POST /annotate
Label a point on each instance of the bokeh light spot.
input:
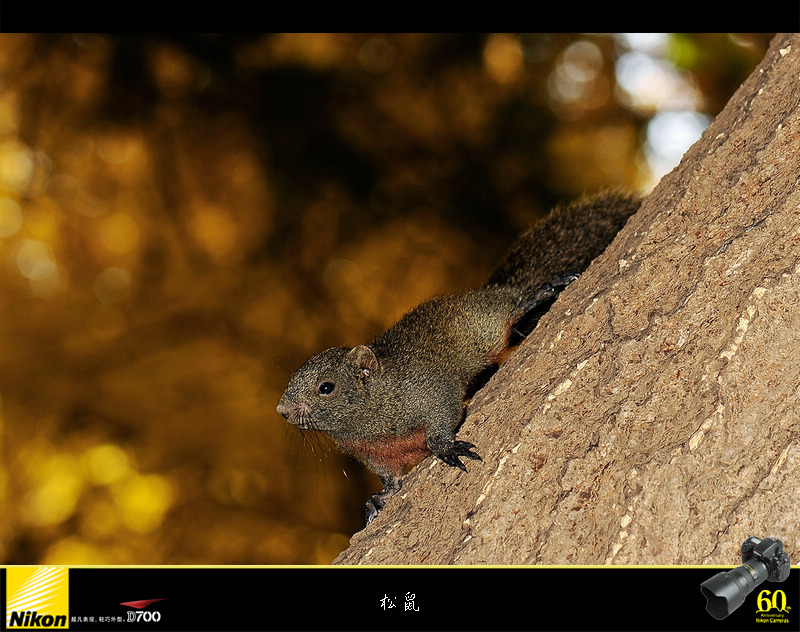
(377, 55)
(100, 518)
(117, 147)
(669, 136)
(119, 233)
(35, 260)
(10, 217)
(503, 58)
(73, 551)
(215, 231)
(650, 84)
(16, 165)
(342, 275)
(106, 464)
(577, 83)
(112, 286)
(55, 498)
(144, 500)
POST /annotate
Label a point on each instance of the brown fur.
(400, 398)
(390, 453)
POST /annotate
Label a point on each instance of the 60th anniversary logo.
(772, 607)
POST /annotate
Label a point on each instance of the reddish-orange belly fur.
(391, 453)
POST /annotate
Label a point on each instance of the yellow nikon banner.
(37, 597)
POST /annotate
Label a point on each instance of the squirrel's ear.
(366, 361)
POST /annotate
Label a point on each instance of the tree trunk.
(653, 416)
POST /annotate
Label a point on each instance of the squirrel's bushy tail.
(567, 240)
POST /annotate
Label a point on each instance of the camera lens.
(726, 591)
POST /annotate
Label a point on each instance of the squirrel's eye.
(326, 388)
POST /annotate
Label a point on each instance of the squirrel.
(400, 398)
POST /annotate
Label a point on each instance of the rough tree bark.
(653, 417)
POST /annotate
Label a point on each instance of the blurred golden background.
(184, 219)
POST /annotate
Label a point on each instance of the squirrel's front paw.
(371, 510)
(391, 485)
(460, 448)
(560, 281)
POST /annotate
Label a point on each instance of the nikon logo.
(37, 597)
(35, 620)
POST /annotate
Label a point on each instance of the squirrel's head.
(325, 392)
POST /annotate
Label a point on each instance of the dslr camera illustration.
(761, 559)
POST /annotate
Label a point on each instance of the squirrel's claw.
(391, 485)
(460, 448)
(371, 509)
(562, 280)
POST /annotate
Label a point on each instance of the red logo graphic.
(140, 604)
